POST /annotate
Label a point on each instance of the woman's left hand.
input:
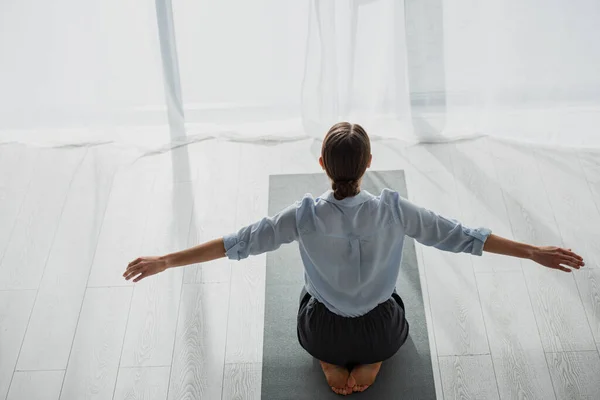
(144, 267)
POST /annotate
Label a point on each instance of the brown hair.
(346, 153)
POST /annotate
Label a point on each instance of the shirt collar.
(362, 197)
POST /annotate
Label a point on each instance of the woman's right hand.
(557, 258)
(144, 267)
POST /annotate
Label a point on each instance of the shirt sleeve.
(431, 229)
(266, 235)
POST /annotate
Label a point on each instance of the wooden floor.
(72, 218)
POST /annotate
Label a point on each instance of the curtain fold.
(356, 68)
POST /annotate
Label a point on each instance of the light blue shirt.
(352, 248)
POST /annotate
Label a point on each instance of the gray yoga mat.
(291, 373)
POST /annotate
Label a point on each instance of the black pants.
(347, 341)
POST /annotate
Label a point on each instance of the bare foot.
(336, 378)
(363, 376)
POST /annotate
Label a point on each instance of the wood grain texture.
(27, 250)
(247, 302)
(557, 305)
(20, 161)
(575, 374)
(36, 385)
(94, 361)
(435, 361)
(590, 162)
(198, 360)
(570, 196)
(588, 282)
(517, 352)
(455, 306)
(15, 308)
(56, 311)
(468, 377)
(153, 316)
(480, 199)
(246, 312)
(148, 383)
(150, 334)
(124, 223)
(215, 198)
(242, 381)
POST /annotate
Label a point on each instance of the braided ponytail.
(343, 189)
(346, 154)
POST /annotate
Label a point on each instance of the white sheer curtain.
(76, 71)
(269, 68)
(523, 69)
(151, 72)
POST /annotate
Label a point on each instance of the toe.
(339, 390)
(351, 381)
(358, 388)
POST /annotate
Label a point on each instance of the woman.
(350, 317)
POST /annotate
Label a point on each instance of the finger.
(136, 272)
(134, 262)
(574, 257)
(562, 268)
(571, 264)
(570, 253)
(139, 278)
(131, 270)
(573, 260)
(128, 277)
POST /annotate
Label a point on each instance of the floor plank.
(124, 223)
(153, 317)
(215, 198)
(36, 385)
(575, 374)
(588, 282)
(574, 208)
(54, 319)
(435, 361)
(247, 303)
(198, 361)
(480, 199)
(557, 305)
(455, 307)
(20, 161)
(94, 360)
(517, 352)
(152, 323)
(148, 383)
(590, 163)
(468, 377)
(15, 308)
(242, 381)
(246, 312)
(27, 250)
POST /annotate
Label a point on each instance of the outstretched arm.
(268, 234)
(551, 257)
(445, 234)
(143, 267)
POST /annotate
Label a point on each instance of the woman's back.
(351, 250)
